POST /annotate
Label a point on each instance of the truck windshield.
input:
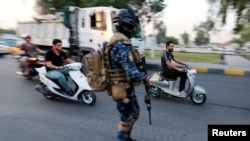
(137, 32)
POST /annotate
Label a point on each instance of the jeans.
(60, 75)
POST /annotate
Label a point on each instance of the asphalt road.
(27, 116)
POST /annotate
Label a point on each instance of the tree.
(202, 33)
(7, 31)
(144, 8)
(185, 37)
(42, 7)
(161, 32)
(49, 6)
(147, 9)
(245, 33)
(201, 38)
(240, 7)
(171, 38)
(237, 41)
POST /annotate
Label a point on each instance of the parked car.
(4, 48)
(10, 40)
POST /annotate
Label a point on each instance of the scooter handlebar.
(188, 67)
(73, 66)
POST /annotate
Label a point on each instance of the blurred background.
(197, 26)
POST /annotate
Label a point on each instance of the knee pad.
(125, 126)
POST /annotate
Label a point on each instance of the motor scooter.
(34, 62)
(52, 89)
(160, 86)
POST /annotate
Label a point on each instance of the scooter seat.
(168, 79)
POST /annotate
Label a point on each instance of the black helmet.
(126, 18)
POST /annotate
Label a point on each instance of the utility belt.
(119, 82)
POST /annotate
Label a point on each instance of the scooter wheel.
(88, 97)
(198, 98)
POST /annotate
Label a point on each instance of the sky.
(179, 16)
(12, 11)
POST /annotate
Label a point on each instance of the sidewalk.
(232, 65)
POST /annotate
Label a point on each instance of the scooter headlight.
(193, 71)
(33, 59)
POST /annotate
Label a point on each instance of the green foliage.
(241, 8)
(198, 57)
(245, 33)
(161, 32)
(201, 38)
(185, 37)
(145, 9)
(171, 38)
(42, 7)
(7, 31)
(188, 56)
(202, 33)
(244, 36)
(237, 41)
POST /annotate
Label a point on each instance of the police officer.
(120, 57)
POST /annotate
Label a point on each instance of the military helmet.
(126, 18)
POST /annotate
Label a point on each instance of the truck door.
(92, 29)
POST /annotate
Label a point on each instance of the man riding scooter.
(30, 50)
(169, 70)
(55, 58)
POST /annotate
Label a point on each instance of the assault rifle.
(147, 96)
(148, 103)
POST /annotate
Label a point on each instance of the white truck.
(81, 30)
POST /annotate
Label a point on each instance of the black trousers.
(173, 74)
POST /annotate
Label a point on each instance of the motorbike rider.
(30, 50)
(169, 70)
(54, 60)
(125, 22)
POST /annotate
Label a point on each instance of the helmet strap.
(124, 30)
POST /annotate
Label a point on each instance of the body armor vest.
(117, 75)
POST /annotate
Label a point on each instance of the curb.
(235, 72)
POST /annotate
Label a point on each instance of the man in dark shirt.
(171, 71)
(55, 58)
(30, 50)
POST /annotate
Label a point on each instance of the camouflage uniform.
(129, 112)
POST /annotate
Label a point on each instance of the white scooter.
(161, 86)
(52, 89)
